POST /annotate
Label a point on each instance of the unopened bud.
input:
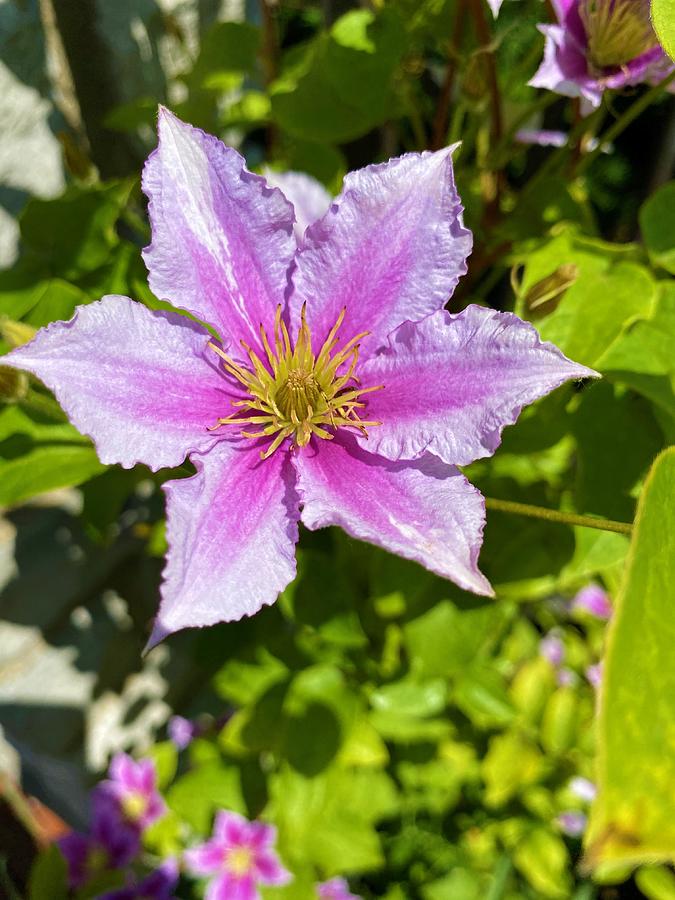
(16, 333)
(13, 384)
(545, 295)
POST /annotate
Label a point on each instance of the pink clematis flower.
(336, 889)
(309, 197)
(340, 391)
(133, 786)
(239, 857)
(599, 44)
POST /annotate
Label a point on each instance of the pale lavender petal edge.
(141, 384)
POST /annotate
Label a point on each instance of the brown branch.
(441, 118)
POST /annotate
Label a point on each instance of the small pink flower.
(134, 786)
(552, 648)
(181, 731)
(594, 675)
(572, 823)
(583, 788)
(336, 889)
(594, 600)
(240, 856)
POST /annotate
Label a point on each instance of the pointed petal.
(268, 869)
(139, 383)
(392, 247)
(222, 240)
(231, 828)
(422, 510)
(309, 197)
(205, 859)
(231, 530)
(452, 383)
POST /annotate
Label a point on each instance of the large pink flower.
(340, 391)
(599, 44)
(239, 857)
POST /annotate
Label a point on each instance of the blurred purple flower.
(566, 677)
(594, 675)
(133, 785)
(572, 823)
(336, 889)
(239, 857)
(552, 648)
(111, 844)
(594, 600)
(495, 6)
(283, 419)
(599, 44)
(158, 885)
(583, 788)
(542, 137)
(181, 731)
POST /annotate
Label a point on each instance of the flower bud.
(545, 295)
(13, 384)
(16, 333)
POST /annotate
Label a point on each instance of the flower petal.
(309, 197)
(138, 382)
(232, 887)
(452, 382)
(205, 859)
(423, 510)
(231, 828)
(392, 247)
(268, 869)
(231, 531)
(222, 240)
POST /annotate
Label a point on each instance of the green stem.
(625, 120)
(554, 515)
(542, 102)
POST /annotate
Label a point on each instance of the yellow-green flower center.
(295, 393)
(617, 30)
(134, 806)
(239, 860)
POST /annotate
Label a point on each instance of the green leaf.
(228, 47)
(663, 17)
(340, 85)
(511, 764)
(38, 456)
(73, 233)
(656, 882)
(197, 795)
(595, 309)
(657, 223)
(643, 356)
(48, 877)
(57, 301)
(632, 819)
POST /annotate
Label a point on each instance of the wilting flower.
(335, 889)
(158, 885)
(239, 857)
(599, 44)
(552, 648)
(111, 843)
(133, 786)
(594, 600)
(572, 823)
(340, 391)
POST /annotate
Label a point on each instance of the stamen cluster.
(295, 393)
(618, 31)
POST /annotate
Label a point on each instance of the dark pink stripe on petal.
(453, 382)
(231, 531)
(391, 247)
(141, 384)
(222, 239)
(424, 510)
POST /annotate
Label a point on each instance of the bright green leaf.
(657, 223)
(632, 819)
(663, 17)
